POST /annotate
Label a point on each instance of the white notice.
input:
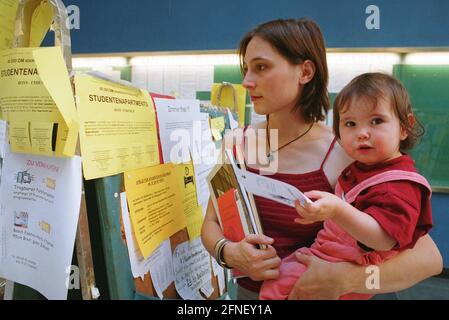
(3, 139)
(176, 119)
(191, 263)
(159, 263)
(40, 202)
(161, 268)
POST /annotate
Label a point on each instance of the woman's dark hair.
(375, 86)
(298, 41)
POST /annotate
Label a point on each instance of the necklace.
(270, 156)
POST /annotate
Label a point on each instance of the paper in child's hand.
(270, 188)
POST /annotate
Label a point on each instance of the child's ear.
(411, 122)
(307, 72)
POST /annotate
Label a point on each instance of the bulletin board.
(428, 89)
(109, 246)
(120, 282)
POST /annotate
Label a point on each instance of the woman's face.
(272, 81)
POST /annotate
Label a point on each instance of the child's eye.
(349, 124)
(376, 121)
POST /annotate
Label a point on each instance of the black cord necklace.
(270, 156)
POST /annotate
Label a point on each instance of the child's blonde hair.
(375, 86)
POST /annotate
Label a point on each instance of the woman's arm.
(244, 255)
(326, 280)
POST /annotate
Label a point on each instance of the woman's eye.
(261, 67)
(376, 121)
(349, 124)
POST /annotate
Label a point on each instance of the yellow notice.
(155, 205)
(41, 137)
(40, 23)
(217, 126)
(227, 99)
(54, 75)
(19, 133)
(192, 210)
(38, 92)
(8, 12)
(118, 127)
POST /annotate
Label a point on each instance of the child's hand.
(325, 206)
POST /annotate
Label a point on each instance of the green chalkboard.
(428, 86)
(332, 97)
(229, 73)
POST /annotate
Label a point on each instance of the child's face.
(371, 134)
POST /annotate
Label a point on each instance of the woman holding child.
(285, 68)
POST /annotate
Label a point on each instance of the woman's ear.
(307, 72)
(411, 122)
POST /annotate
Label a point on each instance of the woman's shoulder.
(337, 159)
(322, 131)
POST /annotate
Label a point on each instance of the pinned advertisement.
(40, 201)
(159, 263)
(36, 98)
(118, 130)
(155, 205)
(192, 210)
(177, 119)
(191, 263)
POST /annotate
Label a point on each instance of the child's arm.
(358, 224)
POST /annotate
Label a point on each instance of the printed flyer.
(118, 128)
(36, 99)
(155, 205)
(40, 202)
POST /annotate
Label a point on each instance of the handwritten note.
(192, 269)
